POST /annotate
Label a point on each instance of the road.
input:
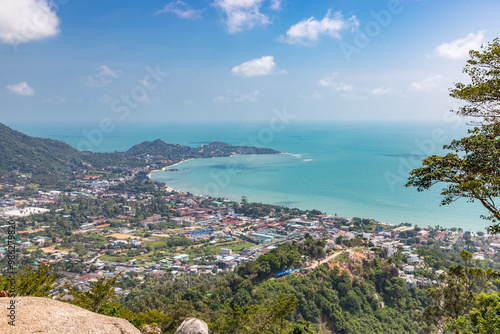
(328, 259)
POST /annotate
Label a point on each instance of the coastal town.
(109, 225)
(250, 167)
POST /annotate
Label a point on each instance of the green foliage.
(35, 155)
(38, 282)
(302, 327)
(149, 317)
(437, 258)
(472, 170)
(100, 292)
(256, 210)
(180, 152)
(344, 304)
(455, 294)
(283, 257)
(267, 317)
(483, 318)
(483, 94)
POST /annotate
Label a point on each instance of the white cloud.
(309, 30)
(426, 85)
(255, 67)
(379, 91)
(181, 9)
(106, 99)
(62, 99)
(349, 91)
(103, 78)
(244, 14)
(22, 21)
(337, 86)
(222, 99)
(315, 96)
(248, 97)
(275, 4)
(237, 97)
(21, 88)
(460, 48)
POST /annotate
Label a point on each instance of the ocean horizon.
(344, 168)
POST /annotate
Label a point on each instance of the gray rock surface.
(44, 315)
(192, 326)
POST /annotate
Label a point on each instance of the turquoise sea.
(348, 169)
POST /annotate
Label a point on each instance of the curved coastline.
(182, 161)
(169, 188)
(165, 168)
(231, 156)
(295, 158)
(379, 207)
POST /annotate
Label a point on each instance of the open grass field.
(52, 249)
(122, 236)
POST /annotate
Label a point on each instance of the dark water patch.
(286, 203)
(166, 179)
(406, 156)
(231, 166)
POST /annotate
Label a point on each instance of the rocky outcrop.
(44, 315)
(192, 326)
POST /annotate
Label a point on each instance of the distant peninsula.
(53, 161)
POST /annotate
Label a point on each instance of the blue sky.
(236, 60)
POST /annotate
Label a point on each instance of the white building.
(28, 211)
(181, 257)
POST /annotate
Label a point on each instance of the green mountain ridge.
(48, 157)
(19, 151)
(214, 149)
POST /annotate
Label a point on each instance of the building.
(391, 249)
(181, 257)
(151, 220)
(226, 251)
(184, 221)
(28, 211)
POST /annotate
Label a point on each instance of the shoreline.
(378, 213)
(178, 163)
(169, 166)
(168, 188)
(163, 169)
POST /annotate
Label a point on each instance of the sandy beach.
(164, 168)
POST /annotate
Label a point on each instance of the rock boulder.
(44, 315)
(192, 326)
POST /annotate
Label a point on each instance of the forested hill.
(47, 157)
(35, 155)
(215, 149)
